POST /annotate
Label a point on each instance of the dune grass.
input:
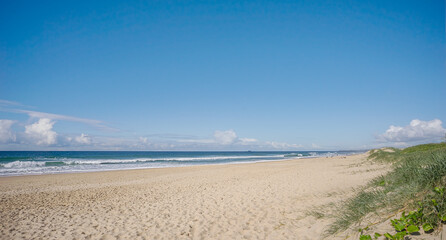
(414, 172)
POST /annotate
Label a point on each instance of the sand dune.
(268, 200)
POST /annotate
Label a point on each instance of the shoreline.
(192, 165)
(257, 200)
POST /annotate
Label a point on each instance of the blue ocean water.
(49, 162)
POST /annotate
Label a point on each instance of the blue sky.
(234, 75)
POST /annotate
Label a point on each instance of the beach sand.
(267, 200)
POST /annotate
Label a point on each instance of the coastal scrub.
(416, 175)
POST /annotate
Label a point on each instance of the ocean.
(13, 163)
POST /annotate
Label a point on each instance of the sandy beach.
(268, 200)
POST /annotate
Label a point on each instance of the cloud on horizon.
(416, 131)
(6, 133)
(83, 139)
(41, 132)
(41, 135)
(225, 137)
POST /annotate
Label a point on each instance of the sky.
(221, 75)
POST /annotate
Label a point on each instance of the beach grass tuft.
(414, 172)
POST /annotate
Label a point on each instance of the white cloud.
(9, 103)
(247, 141)
(41, 131)
(283, 145)
(199, 141)
(41, 134)
(225, 137)
(6, 134)
(417, 130)
(91, 122)
(230, 139)
(143, 140)
(10, 106)
(83, 139)
(314, 145)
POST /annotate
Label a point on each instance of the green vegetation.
(416, 180)
(424, 147)
(429, 213)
